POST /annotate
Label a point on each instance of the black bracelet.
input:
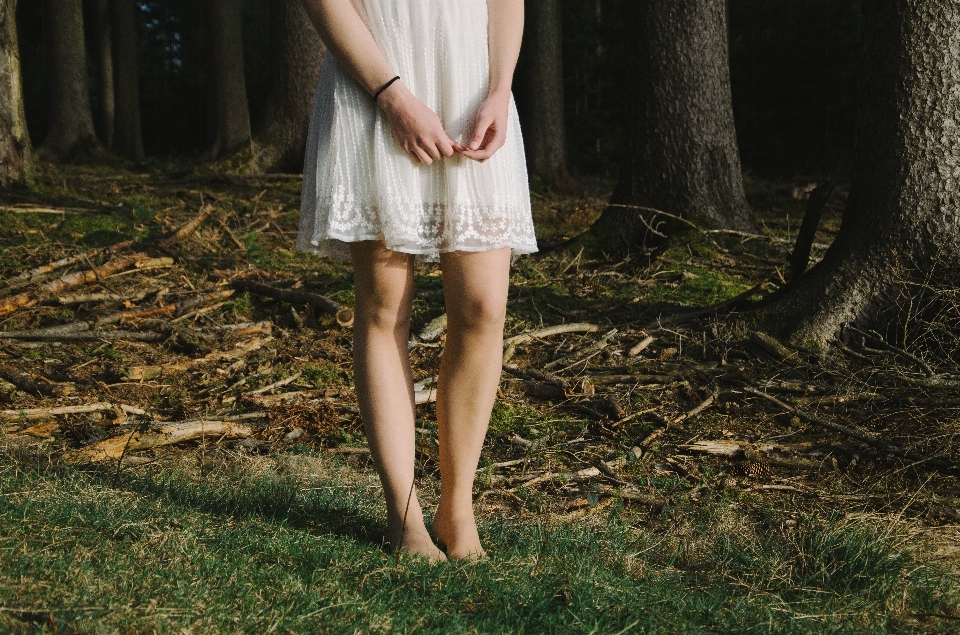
(384, 87)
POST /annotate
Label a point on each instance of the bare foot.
(459, 535)
(419, 544)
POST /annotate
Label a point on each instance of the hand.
(490, 131)
(416, 128)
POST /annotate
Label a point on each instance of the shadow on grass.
(333, 510)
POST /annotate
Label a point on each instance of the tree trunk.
(296, 53)
(71, 118)
(542, 92)
(902, 223)
(228, 86)
(128, 136)
(103, 67)
(682, 156)
(14, 140)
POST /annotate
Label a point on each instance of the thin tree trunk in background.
(128, 136)
(296, 53)
(231, 113)
(71, 119)
(103, 67)
(901, 227)
(682, 155)
(542, 117)
(14, 140)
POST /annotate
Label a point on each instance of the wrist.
(501, 91)
(393, 96)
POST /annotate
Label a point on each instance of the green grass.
(294, 545)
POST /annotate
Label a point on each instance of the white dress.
(359, 184)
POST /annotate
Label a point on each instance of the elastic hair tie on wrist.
(384, 87)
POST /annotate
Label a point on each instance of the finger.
(479, 155)
(431, 149)
(446, 147)
(422, 156)
(480, 132)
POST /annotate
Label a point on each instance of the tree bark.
(902, 223)
(228, 86)
(103, 67)
(296, 53)
(128, 135)
(71, 117)
(682, 154)
(14, 140)
(542, 117)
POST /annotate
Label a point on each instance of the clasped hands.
(419, 131)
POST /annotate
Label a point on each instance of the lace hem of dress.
(424, 230)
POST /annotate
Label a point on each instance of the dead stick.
(872, 441)
(344, 316)
(233, 237)
(34, 414)
(25, 382)
(703, 406)
(583, 354)
(186, 229)
(200, 300)
(167, 435)
(82, 336)
(9, 305)
(29, 277)
(277, 384)
(84, 277)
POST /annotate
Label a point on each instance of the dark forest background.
(794, 72)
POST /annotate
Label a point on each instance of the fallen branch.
(9, 305)
(700, 408)
(772, 348)
(277, 384)
(87, 276)
(510, 344)
(26, 383)
(29, 277)
(559, 329)
(583, 354)
(143, 373)
(879, 342)
(343, 315)
(203, 299)
(35, 414)
(43, 335)
(585, 473)
(872, 441)
(82, 298)
(170, 434)
(187, 228)
(640, 346)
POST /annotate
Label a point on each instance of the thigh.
(475, 284)
(382, 280)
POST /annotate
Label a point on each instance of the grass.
(294, 545)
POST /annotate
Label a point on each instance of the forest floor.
(181, 453)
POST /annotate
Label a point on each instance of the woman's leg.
(475, 290)
(383, 285)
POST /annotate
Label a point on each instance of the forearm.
(504, 33)
(347, 37)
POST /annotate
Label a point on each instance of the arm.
(415, 127)
(504, 33)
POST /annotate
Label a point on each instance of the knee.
(384, 314)
(478, 313)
